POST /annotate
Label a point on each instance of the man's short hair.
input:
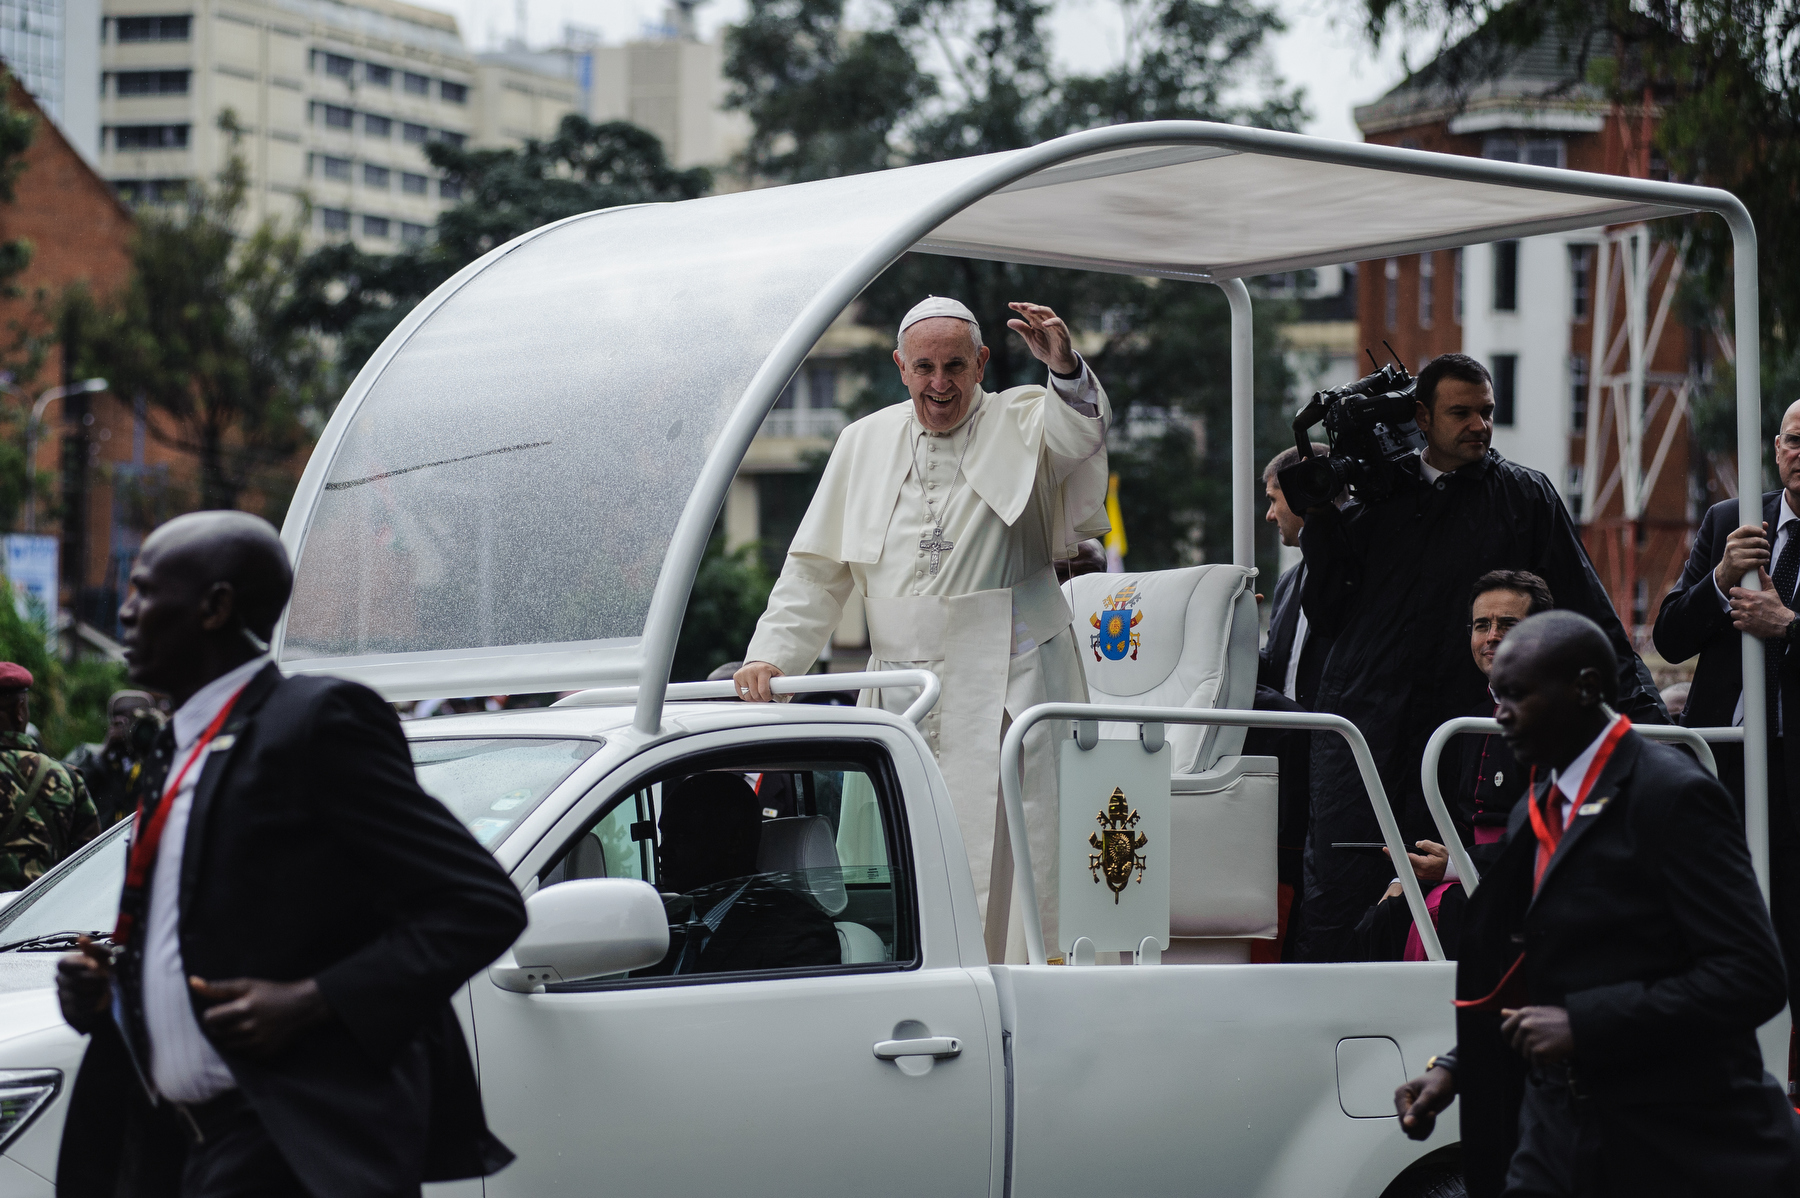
(1460, 367)
(1571, 643)
(1288, 457)
(1522, 581)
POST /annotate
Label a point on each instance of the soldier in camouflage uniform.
(45, 812)
(111, 767)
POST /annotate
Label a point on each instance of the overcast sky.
(1322, 49)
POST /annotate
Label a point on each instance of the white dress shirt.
(1293, 670)
(184, 1065)
(1577, 771)
(1783, 528)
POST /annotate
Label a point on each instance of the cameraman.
(1389, 581)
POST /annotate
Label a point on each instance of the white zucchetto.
(937, 305)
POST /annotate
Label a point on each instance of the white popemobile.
(514, 497)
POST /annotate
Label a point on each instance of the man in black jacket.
(1389, 582)
(1707, 613)
(1615, 962)
(273, 1018)
(1278, 668)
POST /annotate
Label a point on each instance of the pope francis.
(946, 514)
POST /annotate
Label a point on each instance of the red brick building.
(1567, 403)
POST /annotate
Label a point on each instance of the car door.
(763, 1079)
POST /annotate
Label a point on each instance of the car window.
(81, 895)
(492, 784)
(766, 864)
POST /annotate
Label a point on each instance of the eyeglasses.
(1501, 624)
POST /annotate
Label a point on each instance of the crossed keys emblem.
(1118, 845)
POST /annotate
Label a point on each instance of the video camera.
(1375, 441)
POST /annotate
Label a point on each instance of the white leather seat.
(1195, 633)
(805, 848)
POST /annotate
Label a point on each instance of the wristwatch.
(1435, 1061)
(1791, 634)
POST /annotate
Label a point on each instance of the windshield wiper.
(51, 942)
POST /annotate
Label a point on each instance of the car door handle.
(930, 1046)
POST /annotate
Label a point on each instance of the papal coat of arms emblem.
(1115, 626)
(1118, 845)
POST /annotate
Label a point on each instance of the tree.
(357, 298)
(202, 334)
(1161, 347)
(730, 592)
(1723, 79)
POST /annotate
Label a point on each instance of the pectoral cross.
(937, 546)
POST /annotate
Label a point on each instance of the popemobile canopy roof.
(516, 491)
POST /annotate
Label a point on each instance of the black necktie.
(1787, 572)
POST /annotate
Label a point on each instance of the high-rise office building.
(53, 48)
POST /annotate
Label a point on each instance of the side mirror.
(584, 929)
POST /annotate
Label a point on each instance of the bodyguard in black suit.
(327, 909)
(1706, 614)
(1288, 628)
(1612, 975)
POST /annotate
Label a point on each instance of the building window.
(1506, 276)
(453, 93)
(335, 168)
(1427, 285)
(153, 29)
(455, 141)
(1506, 377)
(375, 226)
(151, 191)
(378, 76)
(375, 176)
(1578, 394)
(1533, 151)
(417, 85)
(450, 189)
(150, 137)
(1391, 272)
(1575, 490)
(334, 220)
(152, 83)
(377, 126)
(413, 185)
(412, 234)
(337, 116)
(1456, 286)
(1581, 282)
(334, 64)
(414, 134)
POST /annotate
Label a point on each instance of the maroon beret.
(14, 677)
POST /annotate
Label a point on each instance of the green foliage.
(729, 596)
(68, 700)
(203, 333)
(17, 131)
(1163, 348)
(357, 298)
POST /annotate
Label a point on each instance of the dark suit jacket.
(1691, 620)
(312, 852)
(1284, 625)
(1650, 930)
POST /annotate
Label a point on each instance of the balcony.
(803, 422)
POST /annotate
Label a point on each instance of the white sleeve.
(1080, 392)
(804, 608)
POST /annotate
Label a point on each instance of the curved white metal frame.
(1694, 738)
(1025, 886)
(800, 684)
(688, 541)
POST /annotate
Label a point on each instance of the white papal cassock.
(992, 622)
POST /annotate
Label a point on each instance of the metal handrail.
(1025, 886)
(1695, 738)
(799, 684)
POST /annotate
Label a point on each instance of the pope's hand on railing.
(753, 681)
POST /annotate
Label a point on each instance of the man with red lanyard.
(272, 1016)
(1615, 962)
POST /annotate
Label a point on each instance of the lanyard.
(1547, 838)
(147, 838)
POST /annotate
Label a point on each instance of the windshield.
(489, 784)
(492, 784)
